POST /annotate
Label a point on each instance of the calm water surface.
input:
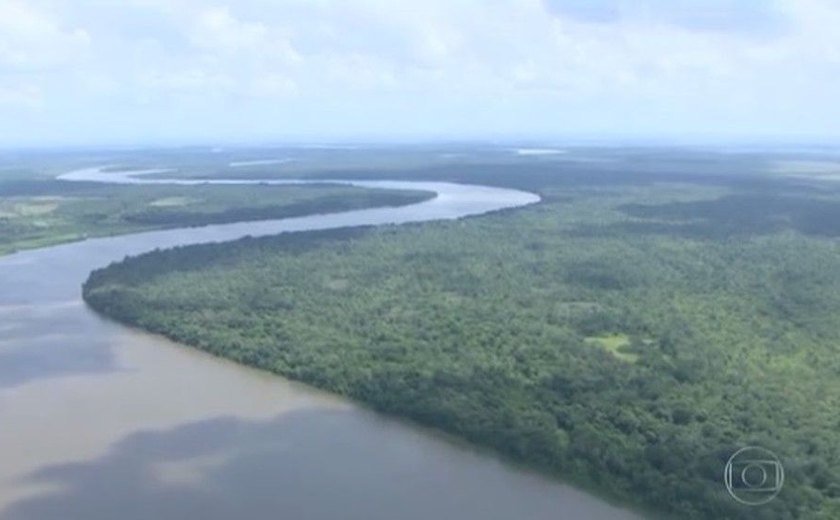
(98, 421)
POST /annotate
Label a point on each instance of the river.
(99, 421)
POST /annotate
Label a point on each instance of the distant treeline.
(327, 204)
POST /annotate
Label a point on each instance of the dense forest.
(36, 212)
(629, 333)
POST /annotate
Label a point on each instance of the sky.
(139, 72)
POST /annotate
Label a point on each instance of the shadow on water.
(230, 468)
(44, 341)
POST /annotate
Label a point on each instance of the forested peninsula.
(627, 334)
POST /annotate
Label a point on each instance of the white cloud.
(30, 40)
(17, 96)
(470, 66)
(186, 81)
(217, 30)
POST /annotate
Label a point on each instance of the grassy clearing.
(171, 202)
(615, 345)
